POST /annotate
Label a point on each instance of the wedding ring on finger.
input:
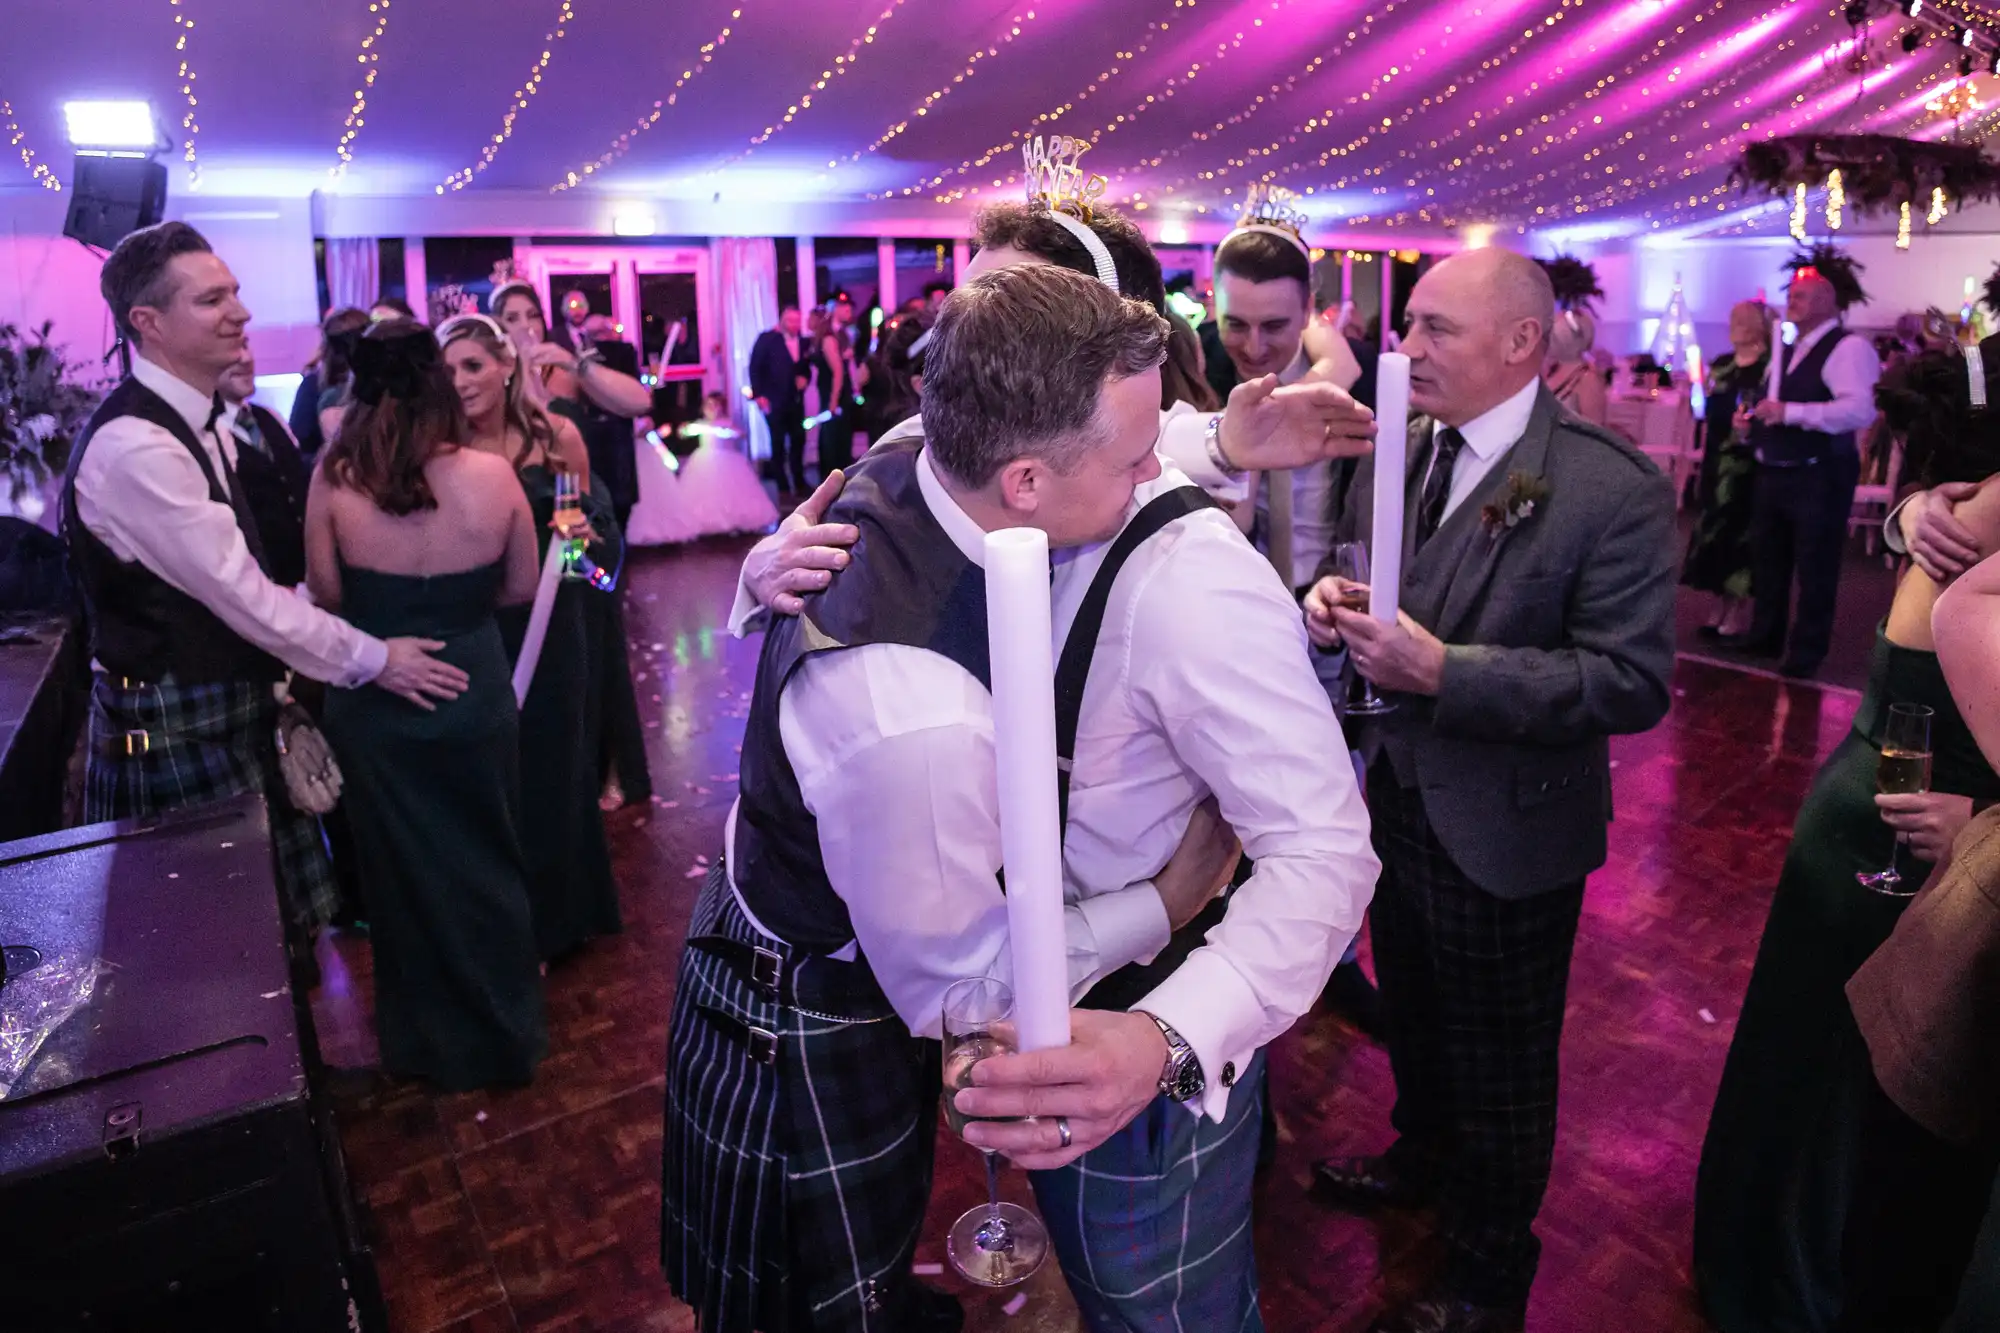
(1062, 1129)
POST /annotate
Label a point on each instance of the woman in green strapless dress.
(1772, 1188)
(433, 795)
(570, 883)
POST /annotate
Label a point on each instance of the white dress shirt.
(893, 748)
(1488, 437)
(1850, 373)
(144, 496)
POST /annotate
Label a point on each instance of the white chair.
(1666, 435)
(1872, 500)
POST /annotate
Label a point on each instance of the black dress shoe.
(1799, 670)
(1712, 633)
(1363, 1184)
(1349, 994)
(1441, 1314)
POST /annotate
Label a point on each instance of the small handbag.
(312, 776)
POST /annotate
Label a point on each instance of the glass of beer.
(1350, 562)
(1904, 769)
(995, 1244)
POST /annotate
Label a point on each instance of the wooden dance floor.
(538, 1209)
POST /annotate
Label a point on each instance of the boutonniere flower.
(1517, 504)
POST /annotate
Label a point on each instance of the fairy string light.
(190, 127)
(518, 103)
(1120, 62)
(1160, 96)
(17, 139)
(969, 67)
(623, 143)
(368, 58)
(801, 104)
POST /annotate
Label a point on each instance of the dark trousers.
(1798, 525)
(1473, 988)
(788, 445)
(836, 440)
(1916, 1211)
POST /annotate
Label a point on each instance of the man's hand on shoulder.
(1942, 546)
(801, 556)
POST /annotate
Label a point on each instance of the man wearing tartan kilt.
(1536, 621)
(867, 840)
(189, 634)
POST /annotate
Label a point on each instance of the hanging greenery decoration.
(1575, 282)
(1878, 173)
(1836, 266)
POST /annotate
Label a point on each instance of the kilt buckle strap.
(760, 1044)
(138, 742)
(125, 744)
(763, 968)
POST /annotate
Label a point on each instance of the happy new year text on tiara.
(1056, 178)
(1266, 205)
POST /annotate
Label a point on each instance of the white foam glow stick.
(1021, 644)
(538, 619)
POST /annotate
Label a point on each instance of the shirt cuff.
(1213, 1008)
(1892, 527)
(1127, 926)
(1184, 444)
(370, 660)
(747, 616)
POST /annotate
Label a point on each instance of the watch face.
(1188, 1081)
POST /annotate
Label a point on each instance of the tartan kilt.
(205, 743)
(792, 1192)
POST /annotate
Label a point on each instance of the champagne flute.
(1904, 769)
(1350, 562)
(996, 1244)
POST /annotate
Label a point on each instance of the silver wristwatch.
(1212, 438)
(1181, 1079)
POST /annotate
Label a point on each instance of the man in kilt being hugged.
(861, 875)
(189, 635)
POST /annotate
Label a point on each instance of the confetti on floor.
(1015, 1306)
(1707, 1017)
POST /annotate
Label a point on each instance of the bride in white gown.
(710, 491)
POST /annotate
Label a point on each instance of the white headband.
(1107, 272)
(1283, 235)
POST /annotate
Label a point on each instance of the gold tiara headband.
(1059, 188)
(1268, 209)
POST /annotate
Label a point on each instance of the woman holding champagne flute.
(1773, 1183)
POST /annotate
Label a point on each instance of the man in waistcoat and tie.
(1537, 621)
(862, 860)
(192, 625)
(1822, 392)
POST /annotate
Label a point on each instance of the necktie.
(238, 501)
(1437, 486)
(1279, 539)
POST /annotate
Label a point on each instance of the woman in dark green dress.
(1718, 554)
(1771, 1193)
(570, 882)
(408, 534)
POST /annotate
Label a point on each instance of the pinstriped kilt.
(792, 1192)
(205, 743)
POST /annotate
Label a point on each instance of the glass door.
(678, 332)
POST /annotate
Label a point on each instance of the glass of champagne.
(1350, 562)
(1904, 769)
(996, 1244)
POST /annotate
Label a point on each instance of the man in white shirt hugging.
(865, 851)
(188, 633)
